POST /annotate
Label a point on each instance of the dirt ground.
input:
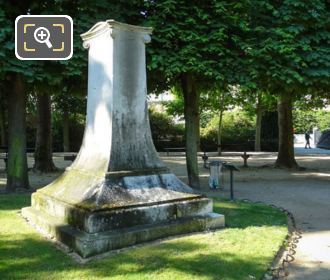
(305, 193)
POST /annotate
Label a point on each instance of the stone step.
(90, 244)
(121, 217)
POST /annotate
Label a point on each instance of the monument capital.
(112, 27)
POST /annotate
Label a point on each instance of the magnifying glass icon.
(41, 35)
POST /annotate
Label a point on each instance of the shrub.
(306, 120)
(165, 132)
(237, 128)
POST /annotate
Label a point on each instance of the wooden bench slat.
(177, 149)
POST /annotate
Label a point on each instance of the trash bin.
(216, 180)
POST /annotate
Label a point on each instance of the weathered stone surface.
(96, 220)
(117, 192)
(90, 244)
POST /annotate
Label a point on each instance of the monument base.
(118, 211)
(117, 192)
(91, 244)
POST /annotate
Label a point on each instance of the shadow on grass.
(36, 259)
(178, 259)
(24, 255)
(12, 201)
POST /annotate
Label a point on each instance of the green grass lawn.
(244, 250)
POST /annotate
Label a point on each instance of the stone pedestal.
(118, 192)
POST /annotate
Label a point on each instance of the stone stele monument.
(117, 192)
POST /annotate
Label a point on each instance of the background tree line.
(213, 54)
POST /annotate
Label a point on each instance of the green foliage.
(323, 119)
(76, 130)
(266, 45)
(244, 249)
(66, 80)
(257, 44)
(164, 131)
(312, 100)
(306, 120)
(8, 62)
(237, 127)
(175, 107)
(248, 100)
(220, 99)
(85, 14)
(198, 37)
(212, 101)
(303, 121)
(287, 44)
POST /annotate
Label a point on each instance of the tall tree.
(13, 75)
(67, 102)
(3, 138)
(256, 102)
(43, 158)
(257, 138)
(191, 113)
(17, 169)
(53, 73)
(218, 100)
(194, 42)
(227, 98)
(288, 44)
(285, 157)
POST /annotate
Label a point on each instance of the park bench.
(242, 151)
(4, 153)
(177, 149)
(244, 156)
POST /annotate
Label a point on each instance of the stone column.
(95, 150)
(118, 192)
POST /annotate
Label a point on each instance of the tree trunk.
(66, 132)
(191, 114)
(198, 135)
(43, 157)
(257, 141)
(17, 169)
(2, 127)
(220, 132)
(285, 157)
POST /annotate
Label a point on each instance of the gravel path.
(307, 196)
(309, 201)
